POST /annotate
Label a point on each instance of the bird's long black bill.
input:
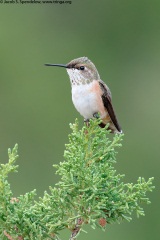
(55, 65)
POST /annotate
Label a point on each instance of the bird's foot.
(86, 121)
(96, 115)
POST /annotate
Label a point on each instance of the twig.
(7, 235)
(76, 230)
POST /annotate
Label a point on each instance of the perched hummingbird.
(90, 95)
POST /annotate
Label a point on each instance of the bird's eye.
(81, 67)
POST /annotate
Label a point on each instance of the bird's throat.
(76, 78)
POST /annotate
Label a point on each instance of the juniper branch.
(89, 192)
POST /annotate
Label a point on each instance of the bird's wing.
(106, 98)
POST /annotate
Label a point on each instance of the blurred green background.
(122, 38)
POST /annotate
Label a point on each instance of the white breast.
(85, 100)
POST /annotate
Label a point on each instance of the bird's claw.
(96, 115)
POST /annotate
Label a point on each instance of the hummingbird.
(90, 95)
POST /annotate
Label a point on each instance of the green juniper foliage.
(89, 192)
